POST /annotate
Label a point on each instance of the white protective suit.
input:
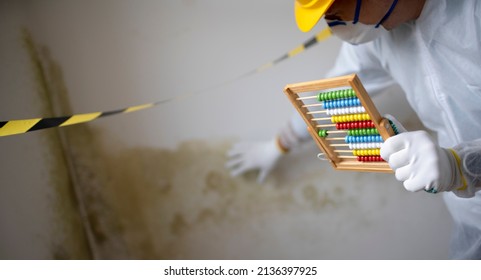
(437, 62)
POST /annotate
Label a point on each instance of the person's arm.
(468, 160)
(264, 155)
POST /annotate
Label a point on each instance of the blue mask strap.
(357, 12)
(393, 5)
(336, 22)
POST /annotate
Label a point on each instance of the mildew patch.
(67, 238)
(173, 197)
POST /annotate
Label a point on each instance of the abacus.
(343, 121)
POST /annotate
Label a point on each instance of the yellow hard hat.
(309, 12)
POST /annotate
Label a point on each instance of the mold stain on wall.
(68, 240)
(182, 194)
(154, 203)
(183, 204)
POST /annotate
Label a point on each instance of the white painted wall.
(116, 54)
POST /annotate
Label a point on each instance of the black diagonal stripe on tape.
(2, 124)
(286, 56)
(48, 122)
(310, 43)
(109, 113)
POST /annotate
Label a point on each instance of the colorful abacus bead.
(345, 110)
(369, 158)
(362, 146)
(337, 94)
(350, 118)
(349, 102)
(394, 128)
(322, 133)
(369, 152)
(355, 125)
(362, 131)
(363, 139)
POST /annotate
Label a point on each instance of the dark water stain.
(69, 240)
(166, 195)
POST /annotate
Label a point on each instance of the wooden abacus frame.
(337, 161)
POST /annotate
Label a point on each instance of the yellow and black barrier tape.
(321, 36)
(13, 127)
(22, 126)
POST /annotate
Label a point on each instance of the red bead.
(370, 158)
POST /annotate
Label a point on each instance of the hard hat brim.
(307, 17)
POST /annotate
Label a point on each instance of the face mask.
(357, 33)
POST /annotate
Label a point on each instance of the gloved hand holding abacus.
(420, 163)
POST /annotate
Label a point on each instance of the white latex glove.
(262, 156)
(420, 163)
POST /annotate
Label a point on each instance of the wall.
(152, 184)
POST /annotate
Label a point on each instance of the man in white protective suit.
(432, 50)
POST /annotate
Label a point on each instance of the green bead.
(323, 96)
(322, 133)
